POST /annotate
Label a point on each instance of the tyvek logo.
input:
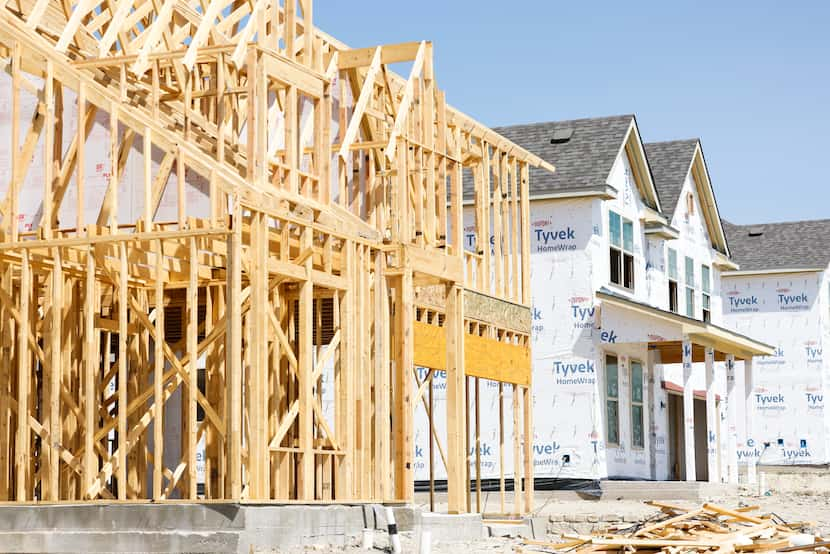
(742, 303)
(797, 455)
(484, 449)
(574, 373)
(470, 238)
(552, 239)
(751, 452)
(813, 351)
(815, 401)
(790, 301)
(549, 448)
(582, 314)
(537, 325)
(764, 401)
(777, 358)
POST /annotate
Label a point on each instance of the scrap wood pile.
(708, 528)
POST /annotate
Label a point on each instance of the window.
(673, 280)
(637, 437)
(612, 400)
(690, 204)
(690, 287)
(706, 299)
(621, 235)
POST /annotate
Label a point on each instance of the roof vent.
(561, 136)
(756, 231)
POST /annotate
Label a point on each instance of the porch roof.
(701, 333)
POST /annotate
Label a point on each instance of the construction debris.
(677, 529)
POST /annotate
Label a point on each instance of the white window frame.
(706, 294)
(623, 253)
(671, 271)
(609, 399)
(640, 403)
(690, 287)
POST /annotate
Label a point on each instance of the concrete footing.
(210, 527)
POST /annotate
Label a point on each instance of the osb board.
(483, 357)
(433, 296)
(480, 307)
(500, 313)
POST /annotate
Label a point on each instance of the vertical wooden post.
(468, 445)
(306, 382)
(404, 472)
(91, 364)
(23, 446)
(80, 161)
(233, 355)
(518, 500)
(158, 374)
(527, 402)
(55, 368)
(382, 434)
(524, 228)
(16, 159)
(148, 179)
(478, 446)
(112, 208)
(498, 258)
(456, 401)
(502, 488)
(49, 160)
(431, 438)
(292, 156)
(192, 340)
(344, 373)
(123, 446)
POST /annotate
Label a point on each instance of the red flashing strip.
(673, 387)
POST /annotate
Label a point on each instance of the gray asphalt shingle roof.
(790, 245)
(669, 162)
(584, 160)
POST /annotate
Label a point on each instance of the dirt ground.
(567, 516)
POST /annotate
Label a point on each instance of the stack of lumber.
(707, 528)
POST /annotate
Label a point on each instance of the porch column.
(652, 411)
(749, 413)
(688, 411)
(711, 418)
(732, 420)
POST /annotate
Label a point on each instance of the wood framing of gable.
(633, 147)
(707, 201)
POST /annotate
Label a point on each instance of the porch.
(676, 339)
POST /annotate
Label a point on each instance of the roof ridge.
(673, 141)
(773, 223)
(561, 121)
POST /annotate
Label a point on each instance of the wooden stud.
(277, 223)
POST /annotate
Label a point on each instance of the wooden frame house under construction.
(270, 245)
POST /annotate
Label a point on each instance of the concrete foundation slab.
(451, 527)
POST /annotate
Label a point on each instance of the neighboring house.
(781, 294)
(626, 263)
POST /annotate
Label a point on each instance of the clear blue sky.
(751, 79)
